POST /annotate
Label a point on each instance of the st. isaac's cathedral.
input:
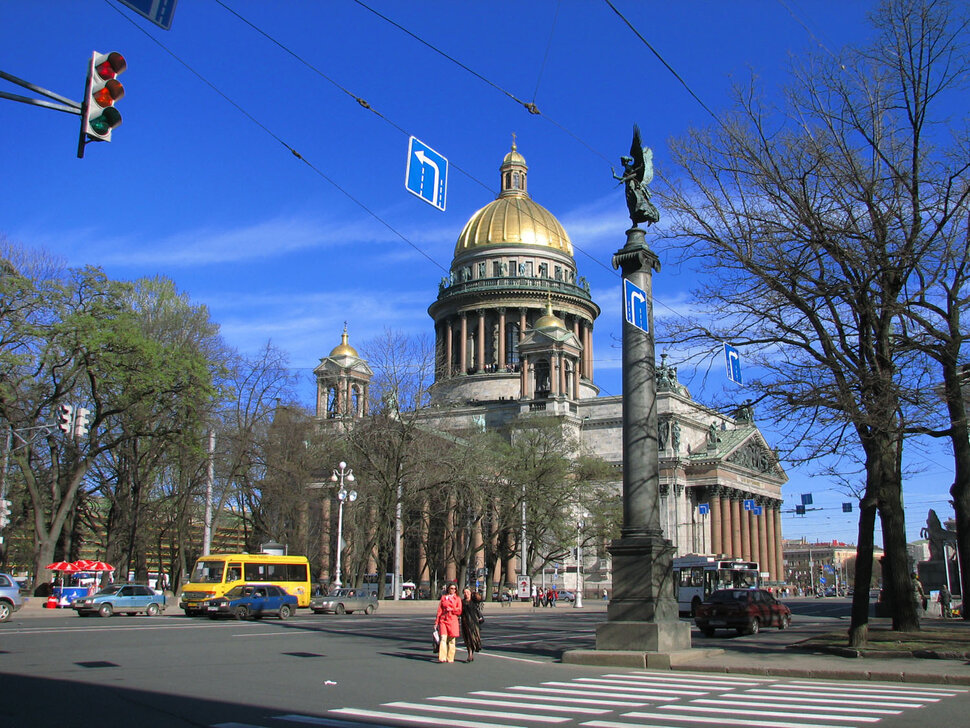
(513, 339)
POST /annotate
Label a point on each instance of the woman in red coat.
(449, 609)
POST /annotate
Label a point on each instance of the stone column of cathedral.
(589, 351)
(449, 348)
(755, 537)
(736, 548)
(480, 342)
(715, 506)
(424, 576)
(763, 549)
(451, 571)
(463, 353)
(727, 523)
(501, 339)
(772, 566)
(779, 558)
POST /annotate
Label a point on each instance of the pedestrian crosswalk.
(646, 699)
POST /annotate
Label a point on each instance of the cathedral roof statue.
(513, 218)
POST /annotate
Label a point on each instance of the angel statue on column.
(637, 174)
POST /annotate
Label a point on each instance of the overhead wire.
(275, 136)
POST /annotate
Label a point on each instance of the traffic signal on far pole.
(81, 420)
(65, 418)
(98, 113)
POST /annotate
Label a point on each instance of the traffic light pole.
(67, 105)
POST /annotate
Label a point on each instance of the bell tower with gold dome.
(513, 274)
(343, 379)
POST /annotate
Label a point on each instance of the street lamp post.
(344, 496)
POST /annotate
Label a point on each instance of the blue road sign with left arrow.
(427, 173)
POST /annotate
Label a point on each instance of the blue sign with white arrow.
(635, 306)
(427, 173)
(733, 360)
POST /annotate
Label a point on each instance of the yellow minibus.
(215, 574)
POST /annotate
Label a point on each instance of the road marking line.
(668, 679)
(723, 720)
(561, 699)
(757, 712)
(465, 700)
(833, 701)
(480, 713)
(632, 685)
(599, 692)
(429, 720)
(783, 702)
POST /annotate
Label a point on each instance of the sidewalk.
(748, 657)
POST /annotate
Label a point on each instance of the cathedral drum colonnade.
(513, 328)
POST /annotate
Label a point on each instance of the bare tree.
(815, 220)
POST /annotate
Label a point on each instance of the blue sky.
(208, 193)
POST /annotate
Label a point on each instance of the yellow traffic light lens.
(112, 91)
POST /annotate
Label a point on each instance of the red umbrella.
(62, 566)
(97, 566)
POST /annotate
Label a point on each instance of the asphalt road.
(172, 671)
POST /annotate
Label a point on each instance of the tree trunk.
(859, 621)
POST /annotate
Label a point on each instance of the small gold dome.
(550, 320)
(343, 348)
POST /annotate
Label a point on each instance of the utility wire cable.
(275, 136)
(366, 105)
(545, 56)
(664, 62)
(530, 106)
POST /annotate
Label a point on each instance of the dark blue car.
(252, 601)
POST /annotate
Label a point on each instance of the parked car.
(252, 601)
(564, 595)
(744, 610)
(123, 598)
(10, 599)
(344, 601)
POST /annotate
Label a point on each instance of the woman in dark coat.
(471, 617)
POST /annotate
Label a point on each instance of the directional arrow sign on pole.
(635, 305)
(427, 174)
(733, 360)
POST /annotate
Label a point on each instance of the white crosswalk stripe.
(645, 699)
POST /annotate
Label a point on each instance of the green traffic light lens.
(109, 119)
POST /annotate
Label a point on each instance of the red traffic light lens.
(109, 119)
(111, 92)
(114, 64)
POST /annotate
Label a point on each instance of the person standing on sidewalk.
(449, 609)
(471, 618)
(944, 600)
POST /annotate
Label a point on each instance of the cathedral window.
(496, 269)
(513, 268)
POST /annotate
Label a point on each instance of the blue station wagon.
(252, 601)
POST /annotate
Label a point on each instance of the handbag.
(435, 639)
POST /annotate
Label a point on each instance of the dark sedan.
(252, 601)
(744, 610)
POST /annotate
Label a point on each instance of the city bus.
(697, 576)
(215, 574)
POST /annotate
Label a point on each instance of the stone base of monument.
(637, 644)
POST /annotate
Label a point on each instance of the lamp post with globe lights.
(344, 496)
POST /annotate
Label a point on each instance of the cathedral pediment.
(753, 453)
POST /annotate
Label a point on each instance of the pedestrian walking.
(606, 595)
(446, 622)
(471, 619)
(535, 596)
(944, 600)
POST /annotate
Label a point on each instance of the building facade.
(513, 327)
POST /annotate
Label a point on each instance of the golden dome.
(550, 320)
(514, 218)
(343, 348)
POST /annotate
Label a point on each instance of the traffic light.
(98, 113)
(81, 420)
(65, 418)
